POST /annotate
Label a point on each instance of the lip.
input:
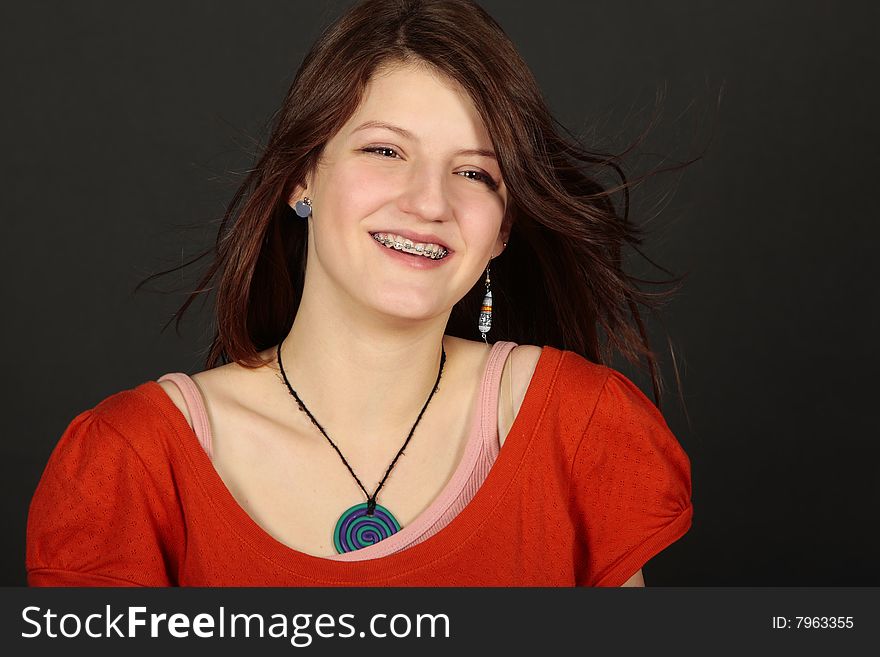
(427, 238)
(415, 262)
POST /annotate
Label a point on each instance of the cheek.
(359, 190)
(479, 218)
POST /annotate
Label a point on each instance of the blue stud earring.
(303, 208)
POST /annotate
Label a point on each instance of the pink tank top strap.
(196, 406)
(489, 391)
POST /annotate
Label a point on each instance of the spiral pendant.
(355, 529)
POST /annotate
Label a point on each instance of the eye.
(384, 151)
(480, 176)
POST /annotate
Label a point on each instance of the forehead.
(425, 102)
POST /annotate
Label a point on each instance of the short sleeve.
(98, 517)
(631, 486)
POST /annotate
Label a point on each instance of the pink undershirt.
(482, 449)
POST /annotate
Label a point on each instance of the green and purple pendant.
(356, 529)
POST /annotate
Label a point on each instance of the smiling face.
(414, 159)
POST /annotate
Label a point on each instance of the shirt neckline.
(443, 544)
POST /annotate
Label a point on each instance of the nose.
(425, 193)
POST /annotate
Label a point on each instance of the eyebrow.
(403, 132)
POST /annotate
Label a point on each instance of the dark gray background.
(124, 127)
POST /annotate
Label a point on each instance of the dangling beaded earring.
(485, 321)
(303, 208)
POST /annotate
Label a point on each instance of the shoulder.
(106, 506)
(629, 438)
(176, 396)
(581, 372)
(600, 389)
(525, 356)
(568, 385)
(121, 444)
(132, 431)
(140, 424)
(139, 412)
(520, 368)
(597, 414)
(630, 484)
(218, 388)
(622, 402)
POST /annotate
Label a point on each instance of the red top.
(589, 485)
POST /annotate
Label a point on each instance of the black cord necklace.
(368, 522)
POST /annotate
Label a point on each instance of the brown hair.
(560, 281)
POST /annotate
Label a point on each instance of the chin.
(407, 307)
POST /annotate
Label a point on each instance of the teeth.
(433, 251)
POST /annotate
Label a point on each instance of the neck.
(363, 379)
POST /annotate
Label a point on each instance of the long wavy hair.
(560, 281)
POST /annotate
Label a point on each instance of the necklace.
(368, 522)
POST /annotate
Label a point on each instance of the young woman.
(414, 201)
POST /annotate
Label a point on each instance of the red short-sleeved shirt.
(589, 485)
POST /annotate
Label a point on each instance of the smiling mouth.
(431, 251)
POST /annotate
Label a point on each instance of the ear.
(297, 195)
(503, 236)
